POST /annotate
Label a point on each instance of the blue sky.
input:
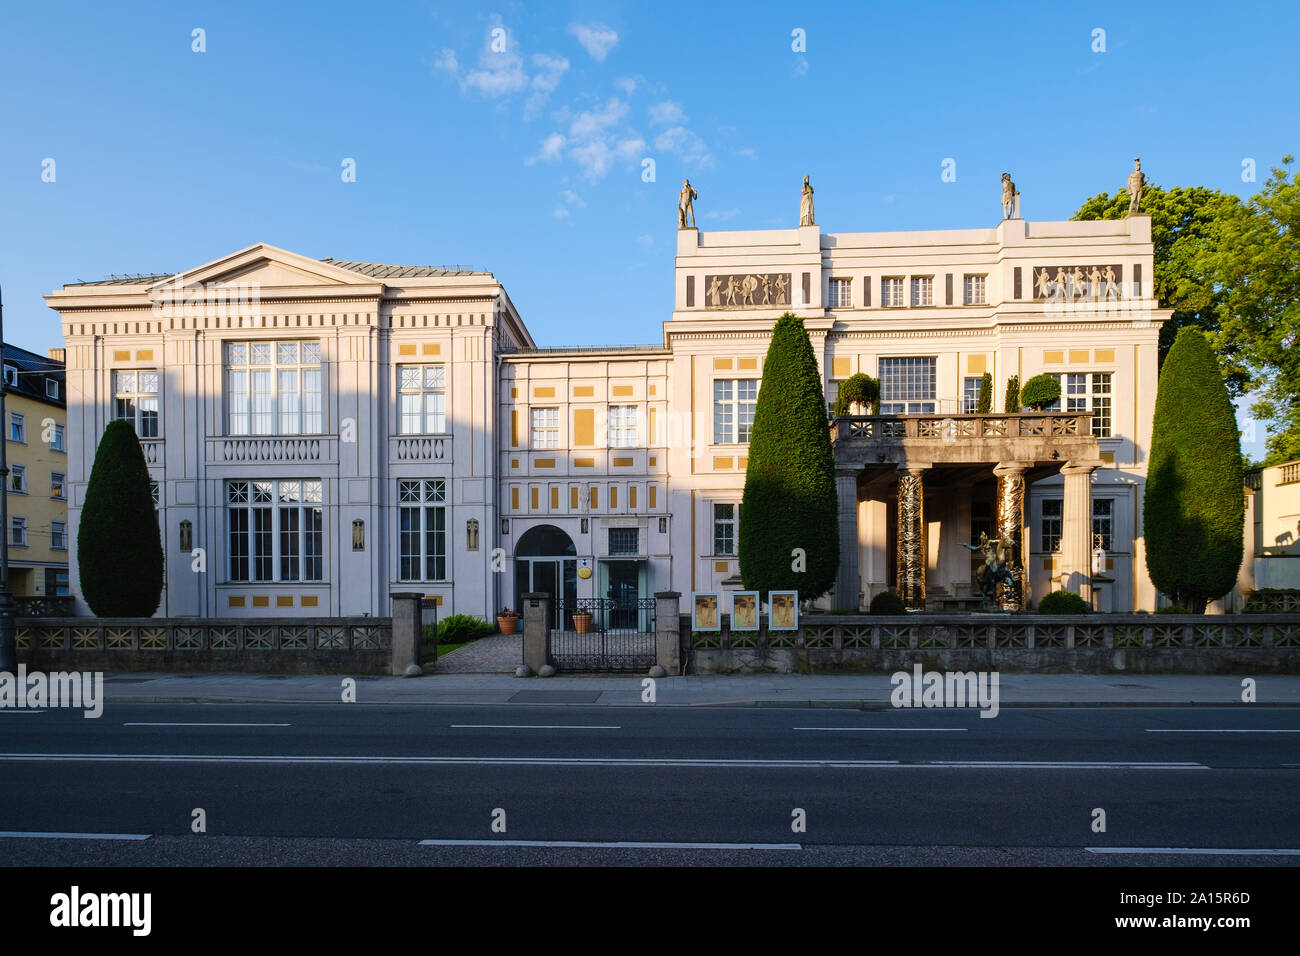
(529, 161)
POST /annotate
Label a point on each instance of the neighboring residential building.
(329, 431)
(36, 443)
(1272, 533)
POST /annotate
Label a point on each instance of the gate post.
(668, 631)
(537, 625)
(407, 617)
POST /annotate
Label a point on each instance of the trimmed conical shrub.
(984, 404)
(1194, 506)
(789, 529)
(119, 547)
(1011, 403)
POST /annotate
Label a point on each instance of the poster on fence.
(704, 611)
(784, 610)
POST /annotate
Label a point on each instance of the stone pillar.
(537, 627)
(1076, 528)
(911, 536)
(847, 586)
(408, 616)
(668, 639)
(1010, 497)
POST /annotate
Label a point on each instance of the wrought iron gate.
(619, 636)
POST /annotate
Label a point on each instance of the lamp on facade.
(8, 648)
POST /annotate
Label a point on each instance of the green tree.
(984, 404)
(859, 389)
(789, 528)
(1258, 266)
(1012, 400)
(119, 547)
(1040, 391)
(1188, 233)
(1194, 502)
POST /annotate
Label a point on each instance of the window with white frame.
(1051, 525)
(622, 426)
(422, 529)
(970, 395)
(57, 485)
(724, 528)
(422, 399)
(18, 531)
(973, 293)
(18, 479)
(841, 296)
(923, 290)
(276, 530)
(155, 493)
(1103, 523)
(891, 292)
(907, 386)
(135, 398)
(1087, 392)
(11, 376)
(52, 388)
(56, 439)
(18, 427)
(733, 409)
(274, 388)
(546, 427)
(58, 536)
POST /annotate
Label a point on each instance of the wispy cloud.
(681, 142)
(500, 71)
(721, 214)
(596, 39)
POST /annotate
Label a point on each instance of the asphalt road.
(346, 783)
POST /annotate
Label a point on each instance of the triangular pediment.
(268, 267)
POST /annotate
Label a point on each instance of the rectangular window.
(57, 485)
(422, 399)
(891, 292)
(18, 427)
(1087, 392)
(970, 395)
(135, 398)
(622, 426)
(18, 531)
(841, 296)
(1051, 526)
(59, 535)
(923, 290)
(546, 428)
(274, 388)
(907, 386)
(276, 530)
(52, 388)
(422, 529)
(733, 409)
(1103, 524)
(11, 376)
(56, 582)
(724, 529)
(973, 294)
(624, 540)
(18, 479)
(1101, 409)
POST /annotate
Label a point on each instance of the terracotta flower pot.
(507, 625)
(582, 623)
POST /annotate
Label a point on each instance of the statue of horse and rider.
(996, 568)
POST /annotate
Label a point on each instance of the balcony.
(153, 450)
(272, 449)
(419, 448)
(864, 440)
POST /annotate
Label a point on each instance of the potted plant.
(507, 621)
(582, 622)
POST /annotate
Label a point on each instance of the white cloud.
(591, 123)
(549, 71)
(596, 39)
(447, 61)
(552, 148)
(572, 198)
(801, 68)
(501, 73)
(723, 214)
(666, 113)
(680, 140)
(626, 84)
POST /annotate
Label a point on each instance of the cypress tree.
(790, 501)
(1194, 506)
(985, 402)
(119, 547)
(1012, 400)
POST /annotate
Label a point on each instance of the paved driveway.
(498, 654)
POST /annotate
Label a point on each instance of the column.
(1010, 497)
(911, 536)
(846, 582)
(1076, 528)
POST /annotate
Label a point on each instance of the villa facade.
(324, 433)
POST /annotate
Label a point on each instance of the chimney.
(58, 355)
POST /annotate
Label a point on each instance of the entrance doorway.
(546, 561)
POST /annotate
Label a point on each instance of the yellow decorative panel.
(584, 391)
(622, 391)
(546, 392)
(284, 600)
(406, 349)
(1110, 564)
(584, 463)
(144, 355)
(977, 364)
(631, 496)
(432, 348)
(1079, 356)
(1108, 457)
(652, 389)
(742, 462)
(514, 429)
(841, 367)
(1104, 355)
(653, 459)
(622, 462)
(652, 435)
(235, 600)
(514, 498)
(722, 365)
(514, 393)
(310, 600)
(613, 496)
(573, 498)
(435, 598)
(261, 600)
(514, 462)
(555, 499)
(122, 355)
(543, 462)
(534, 499)
(747, 364)
(584, 426)
(595, 496)
(1053, 358)
(722, 462)
(721, 566)
(653, 495)
(1048, 564)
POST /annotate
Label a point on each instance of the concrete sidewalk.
(775, 690)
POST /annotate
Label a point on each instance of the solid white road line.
(170, 723)
(604, 762)
(535, 727)
(1189, 851)
(25, 710)
(1207, 731)
(36, 835)
(898, 730)
(617, 845)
